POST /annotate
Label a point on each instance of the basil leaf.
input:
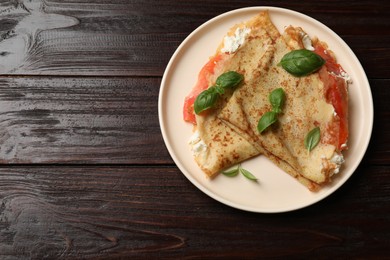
(277, 97)
(266, 120)
(231, 173)
(209, 97)
(301, 62)
(229, 79)
(312, 138)
(247, 174)
(219, 90)
(205, 100)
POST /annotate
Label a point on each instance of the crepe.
(227, 134)
(306, 107)
(215, 144)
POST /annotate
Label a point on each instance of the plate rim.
(179, 164)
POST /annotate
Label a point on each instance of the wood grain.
(84, 171)
(47, 212)
(108, 120)
(80, 120)
(109, 37)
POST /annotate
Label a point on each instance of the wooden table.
(84, 169)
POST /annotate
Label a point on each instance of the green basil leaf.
(219, 90)
(301, 62)
(277, 97)
(229, 79)
(266, 120)
(312, 138)
(231, 173)
(209, 97)
(205, 100)
(247, 174)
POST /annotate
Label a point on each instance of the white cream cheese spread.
(307, 42)
(346, 77)
(338, 160)
(232, 43)
(197, 145)
(334, 163)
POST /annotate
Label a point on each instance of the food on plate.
(291, 104)
(215, 145)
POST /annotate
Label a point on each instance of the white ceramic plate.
(275, 191)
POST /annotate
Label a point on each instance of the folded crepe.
(227, 134)
(306, 107)
(215, 144)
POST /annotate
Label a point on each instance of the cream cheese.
(331, 163)
(337, 160)
(197, 145)
(346, 77)
(307, 42)
(232, 43)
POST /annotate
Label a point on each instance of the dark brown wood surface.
(84, 170)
